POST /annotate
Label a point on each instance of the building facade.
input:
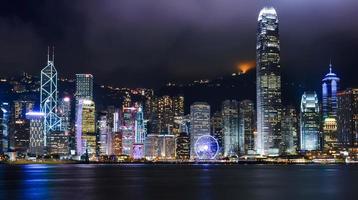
(330, 86)
(268, 83)
(199, 124)
(247, 125)
(230, 120)
(347, 115)
(310, 123)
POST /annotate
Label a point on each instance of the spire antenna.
(53, 54)
(48, 54)
(330, 65)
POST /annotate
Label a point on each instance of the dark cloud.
(147, 43)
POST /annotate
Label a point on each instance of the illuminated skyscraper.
(48, 98)
(329, 108)
(64, 112)
(310, 122)
(199, 124)
(348, 117)
(247, 125)
(268, 83)
(289, 129)
(182, 146)
(85, 127)
(230, 120)
(105, 136)
(36, 145)
(4, 127)
(84, 86)
(217, 130)
(127, 130)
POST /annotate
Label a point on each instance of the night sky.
(149, 42)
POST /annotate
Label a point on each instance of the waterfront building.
(268, 83)
(117, 143)
(4, 127)
(151, 146)
(127, 130)
(85, 127)
(64, 112)
(347, 114)
(289, 129)
(217, 130)
(48, 98)
(182, 146)
(330, 86)
(58, 143)
(310, 122)
(247, 125)
(105, 136)
(199, 124)
(36, 145)
(230, 120)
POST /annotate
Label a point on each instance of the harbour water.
(169, 181)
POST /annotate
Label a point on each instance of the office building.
(199, 124)
(268, 83)
(36, 146)
(247, 125)
(84, 86)
(230, 120)
(310, 122)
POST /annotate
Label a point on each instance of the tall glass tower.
(48, 98)
(329, 108)
(309, 122)
(268, 83)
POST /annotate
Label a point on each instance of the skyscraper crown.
(268, 12)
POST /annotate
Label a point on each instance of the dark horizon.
(142, 44)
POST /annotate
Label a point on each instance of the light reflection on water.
(206, 181)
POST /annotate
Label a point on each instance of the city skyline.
(309, 51)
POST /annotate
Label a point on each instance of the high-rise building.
(330, 86)
(4, 127)
(310, 122)
(199, 124)
(289, 129)
(139, 126)
(48, 98)
(58, 143)
(217, 130)
(64, 112)
(85, 127)
(183, 146)
(268, 83)
(230, 120)
(84, 86)
(19, 136)
(127, 130)
(247, 125)
(36, 146)
(105, 136)
(347, 114)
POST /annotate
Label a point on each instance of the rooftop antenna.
(330, 65)
(48, 54)
(53, 54)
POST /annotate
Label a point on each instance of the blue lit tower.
(268, 83)
(330, 84)
(48, 97)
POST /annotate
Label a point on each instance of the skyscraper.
(289, 130)
(182, 146)
(84, 86)
(310, 122)
(48, 98)
(64, 112)
(36, 145)
(85, 127)
(268, 83)
(329, 108)
(4, 127)
(347, 114)
(199, 124)
(230, 120)
(247, 125)
(217, 130)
